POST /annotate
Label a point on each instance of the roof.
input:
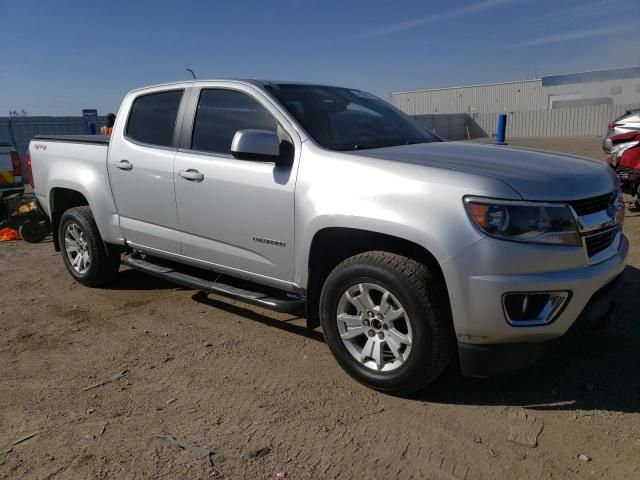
(594, 76)
(246, 81)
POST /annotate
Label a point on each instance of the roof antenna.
(192, 74)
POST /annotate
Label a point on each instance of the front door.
(234, 214)
(141, 172)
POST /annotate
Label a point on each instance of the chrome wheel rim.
(374, 327)
(77, 248)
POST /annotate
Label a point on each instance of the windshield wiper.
(369, 146)
(345, 147)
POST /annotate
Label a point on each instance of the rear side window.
(152, 119)
(221, 113)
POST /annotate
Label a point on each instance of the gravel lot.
(265, 396)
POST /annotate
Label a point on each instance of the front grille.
(592, 205)
(599, 242)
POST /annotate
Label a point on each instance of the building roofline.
(591, 76)
(466, 86)
(550, 79)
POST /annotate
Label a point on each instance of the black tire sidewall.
(416, 368)
(32, 231)
(93, 241)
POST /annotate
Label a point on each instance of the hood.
(534, 174)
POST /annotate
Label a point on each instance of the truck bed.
(92, 139)
(77, 163)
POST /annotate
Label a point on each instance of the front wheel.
(387, 321)
(85, 255)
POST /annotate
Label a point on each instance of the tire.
(32, 231)
(101, 265)
(409, 287)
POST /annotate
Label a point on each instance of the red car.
(625, 160)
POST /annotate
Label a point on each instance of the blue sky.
(61, 56)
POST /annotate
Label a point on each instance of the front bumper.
(478, 277)
(484, 360)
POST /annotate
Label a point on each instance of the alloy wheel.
(374, 327)
(77, 248)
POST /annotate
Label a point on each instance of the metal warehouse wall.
(20, 130)
(500, 97)
(521, 96)
(564, 122)
(619, 92)
(585, 121)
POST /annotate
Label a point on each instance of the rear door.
(239, 214)
(140, 165)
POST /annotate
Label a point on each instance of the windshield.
(345, 119)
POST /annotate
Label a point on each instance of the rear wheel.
(84, 253)
(387, 321)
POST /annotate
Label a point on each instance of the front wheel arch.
(429, 327)
(330, 246)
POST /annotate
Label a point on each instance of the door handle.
(191, 175)
(123, 165)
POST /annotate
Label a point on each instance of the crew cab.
(407, 250)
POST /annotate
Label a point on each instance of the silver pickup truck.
(407, 250)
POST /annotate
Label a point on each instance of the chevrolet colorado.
(408, 251)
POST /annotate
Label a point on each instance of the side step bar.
(286, 302)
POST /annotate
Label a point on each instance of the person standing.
(108, 127)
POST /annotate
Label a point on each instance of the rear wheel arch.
(330, 246)
(84, 252)
(60, 200)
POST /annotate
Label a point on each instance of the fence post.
(501, 133)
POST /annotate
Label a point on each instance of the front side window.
(345, 119)
(221, 113)
(152, 119)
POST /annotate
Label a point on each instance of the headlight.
(618, 150)
(618, 206)
(533, 222)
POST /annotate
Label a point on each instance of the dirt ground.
(100, 377)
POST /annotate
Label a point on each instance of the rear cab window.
(221, 113)
(152, 118)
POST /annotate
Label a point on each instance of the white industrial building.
(587, 89)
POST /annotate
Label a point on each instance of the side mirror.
(258, 145)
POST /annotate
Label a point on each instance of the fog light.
(533, 308)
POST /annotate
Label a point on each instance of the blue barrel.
(501, 133)
(91, 127)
